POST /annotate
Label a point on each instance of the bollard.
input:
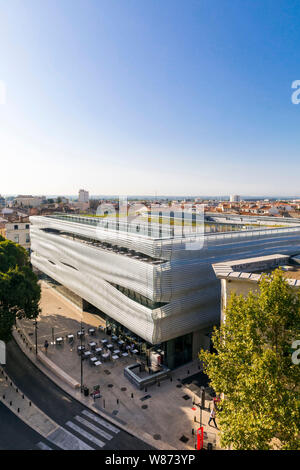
(171, 379)
(23, 396)
(103, 403)
(132, 395)
(30, 403)
(10, 403)
(188, 372)
(3, 396)
(18, 410)
(117, 401)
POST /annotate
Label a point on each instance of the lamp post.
(36, 338)
(81, 360)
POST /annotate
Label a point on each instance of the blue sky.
(150, 96)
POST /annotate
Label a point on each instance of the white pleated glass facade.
(101, 266)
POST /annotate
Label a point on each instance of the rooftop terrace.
(163, 225)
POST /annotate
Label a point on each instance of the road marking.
(85, 434)
(43, 446)
(94, 428)
(103, 423)
(67, 441)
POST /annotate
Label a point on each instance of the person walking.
(212, 418)
(46, 345)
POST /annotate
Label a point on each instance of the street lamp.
(36, 338)
(81, 360)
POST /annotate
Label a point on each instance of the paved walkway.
(20, 405)
(164, 413)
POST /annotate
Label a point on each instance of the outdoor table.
(103, 341)
(87, 354)
(97, 363)
(92, 331)
(93, 359)
(105, 355)
(70, 337)
(116, 351)
(101, 328)
(109, 346)
(115, 357)
(98, 350)
(80, 333)
(128, 347)
(92, 345)
(80, 348)
(59, 340)
(120, 342)
(114, 338)
(135, 351)
(124, 354)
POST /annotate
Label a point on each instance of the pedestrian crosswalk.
(83, 433)
(42, 446)
(103, 423)
(94, 428)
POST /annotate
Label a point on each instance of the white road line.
(85, 434)
(94, 428)
(66, 440)
(43, 446)
(103, 423)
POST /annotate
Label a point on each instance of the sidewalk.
(20, 405)
(165, 419)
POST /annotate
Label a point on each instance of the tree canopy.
(252, 367)
(19, 288)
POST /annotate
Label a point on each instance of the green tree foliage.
(252, 367)
(19, 289)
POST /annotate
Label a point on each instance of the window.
(16, 227)
(16, 239)
(27, 238)
(141, 299)
(27, 226)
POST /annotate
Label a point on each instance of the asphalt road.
(15, 434)
(56, 404)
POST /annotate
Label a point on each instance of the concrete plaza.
(167, 414)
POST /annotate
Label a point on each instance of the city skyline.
(150, 98)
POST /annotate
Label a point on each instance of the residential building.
(18, 231)
(83, 196)
(242, 275)
(28, 201)
(2, 202)
(235, 198)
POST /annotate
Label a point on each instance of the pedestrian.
(46, 345)
(213, 417)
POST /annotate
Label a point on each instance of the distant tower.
(83, 196)
(235, 198)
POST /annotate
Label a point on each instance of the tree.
(252, 367)
(19, 289)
